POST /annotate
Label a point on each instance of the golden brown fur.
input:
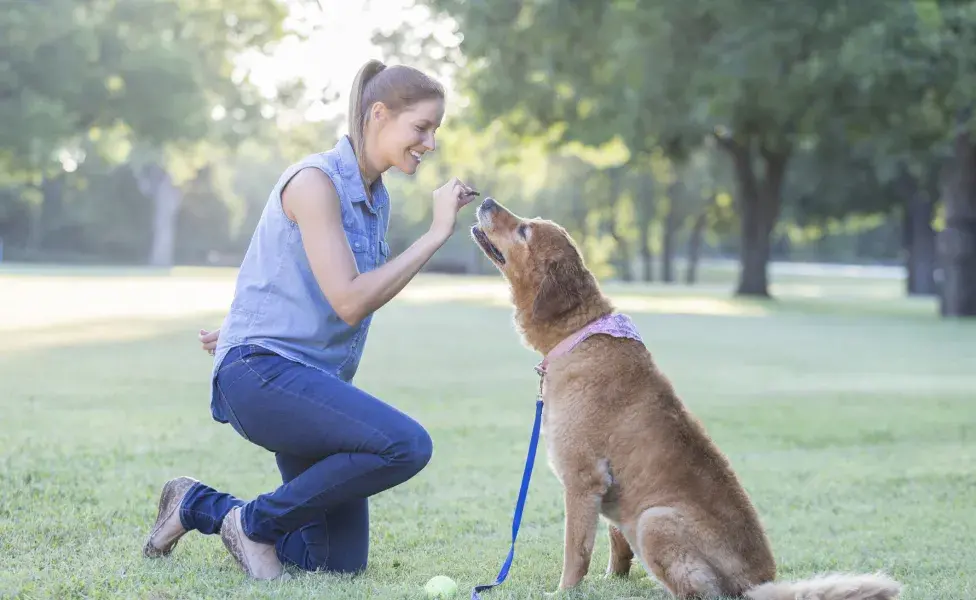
(624, 446)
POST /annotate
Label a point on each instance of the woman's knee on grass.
(337, 561)
(343, 561)
(346, 564)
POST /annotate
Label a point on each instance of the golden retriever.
(625, 447)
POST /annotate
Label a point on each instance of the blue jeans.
(335, 446)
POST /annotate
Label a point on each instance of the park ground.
(848, 411)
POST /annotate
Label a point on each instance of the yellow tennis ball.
(440, 586)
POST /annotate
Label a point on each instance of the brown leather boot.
(256, 559)
(168, 529)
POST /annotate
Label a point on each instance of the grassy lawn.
(847, 410)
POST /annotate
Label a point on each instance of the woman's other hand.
(208, 340)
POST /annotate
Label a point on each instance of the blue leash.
(517, 518)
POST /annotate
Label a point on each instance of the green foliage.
(638, 125)
(113, 86)
(823, 107)
(150, 71)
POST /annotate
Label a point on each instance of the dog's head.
(543, 265)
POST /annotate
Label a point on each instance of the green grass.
(848, 412)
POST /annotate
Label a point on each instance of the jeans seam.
(239, 377)
(328, 542)
(227, 365)
(231, 409)
(181, 509)
(328, 549)
(248, 534)
(325, 491)
(196, 514)
(282, 390)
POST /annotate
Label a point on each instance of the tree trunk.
(919, 238)
(622, 261)
(47, 216)
(645, 216)
(578, 211)
(754, 255)
(35, 230)
(695, 242)
(52, 207)
(667, 240)
(957, 242)
(155, 182)
(759, 205)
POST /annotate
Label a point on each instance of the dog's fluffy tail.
(839, 586)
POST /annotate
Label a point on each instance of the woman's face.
(402, 139)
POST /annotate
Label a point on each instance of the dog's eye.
(521, 230)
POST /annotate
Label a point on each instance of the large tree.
(918, 65)
(760, 79)
(136, 82)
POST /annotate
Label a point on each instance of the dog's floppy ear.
(561, 289)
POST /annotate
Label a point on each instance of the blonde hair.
(397, 87)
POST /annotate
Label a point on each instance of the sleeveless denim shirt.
(278, 305)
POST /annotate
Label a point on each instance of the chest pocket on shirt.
(364, 252)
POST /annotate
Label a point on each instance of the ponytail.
(359, 109)
(397, 87)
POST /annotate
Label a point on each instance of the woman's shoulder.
(331, 161)
(319, 169)
(308, 188)
(310, 178)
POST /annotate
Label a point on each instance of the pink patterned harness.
(615, 324)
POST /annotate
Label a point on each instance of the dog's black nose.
(488, 204)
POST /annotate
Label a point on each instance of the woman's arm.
(310, 200)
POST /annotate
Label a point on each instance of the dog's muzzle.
(485, 211)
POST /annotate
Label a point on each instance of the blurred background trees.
(661, 134)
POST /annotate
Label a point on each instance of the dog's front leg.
(582, 514)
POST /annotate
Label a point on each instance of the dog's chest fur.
(579, 459)
(598, 424)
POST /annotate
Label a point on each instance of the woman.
(314, 273)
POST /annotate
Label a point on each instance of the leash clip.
(542, 377)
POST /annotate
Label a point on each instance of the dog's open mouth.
(489, 248)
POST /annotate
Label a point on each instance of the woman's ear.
(378, 112)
